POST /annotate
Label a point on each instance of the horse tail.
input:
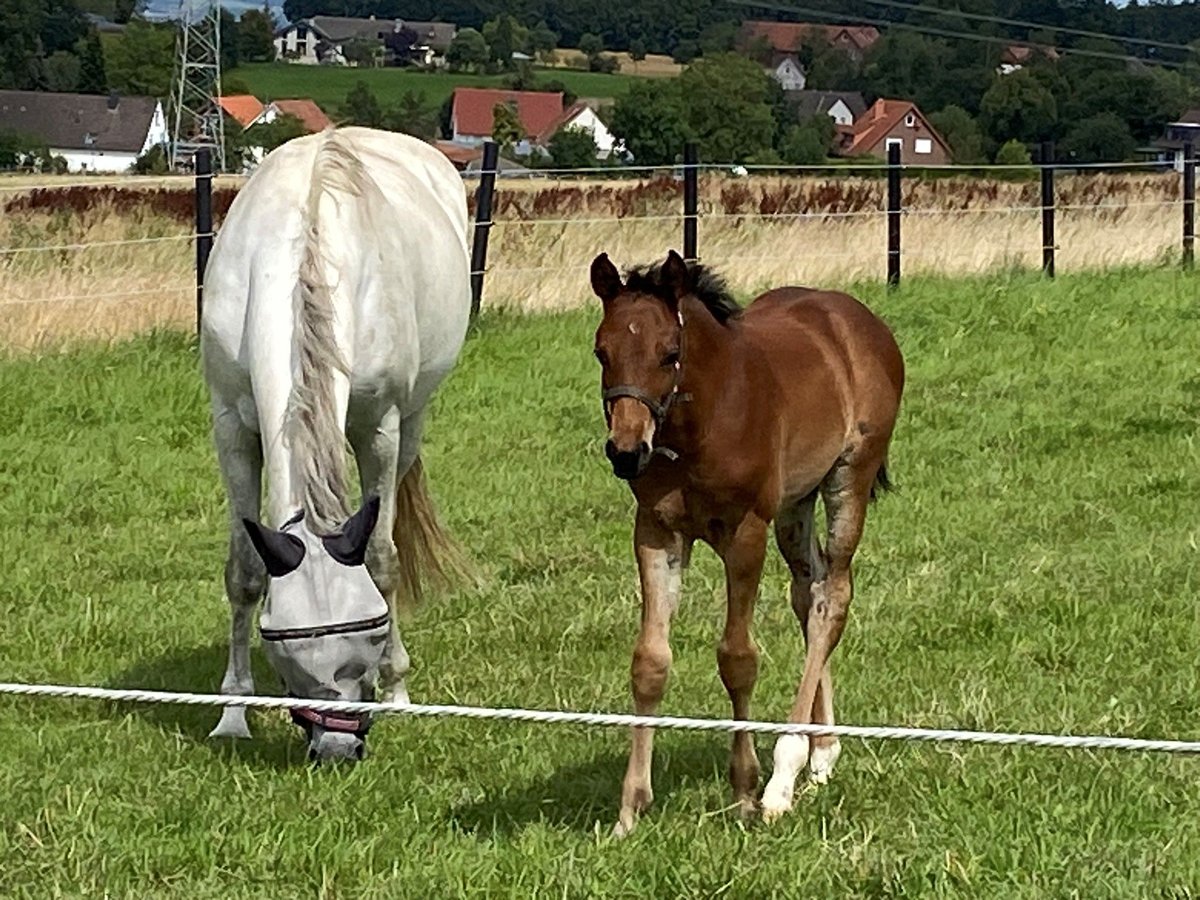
(429, 556)
(314, 431)
(883, 482)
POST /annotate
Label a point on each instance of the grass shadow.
(276, 743)
(582, 794)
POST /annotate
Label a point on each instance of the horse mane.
(703, 283)
(313, 430)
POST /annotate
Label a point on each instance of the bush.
(603, 62)
(153, 162)
(1101, 138)
(573, 148)
(1014, 153)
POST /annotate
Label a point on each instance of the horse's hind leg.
(377, 448)
(797, 539)
(239, 453)
(846, 492)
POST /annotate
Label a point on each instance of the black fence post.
(1047, 162)
(204, 224)
(483, 221)
(893, 215)
(1189, 204)
(691, 196)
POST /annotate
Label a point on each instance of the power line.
(1024, 23)
(843, 19)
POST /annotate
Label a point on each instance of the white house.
(93, 133)
(579, 116)
(323, 39)
(790, 74)
(844, 107)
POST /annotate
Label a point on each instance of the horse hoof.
(232, 725)
(773, 812)
(821, 761)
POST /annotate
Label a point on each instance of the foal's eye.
(670, 359)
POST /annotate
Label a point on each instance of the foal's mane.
(703, 283)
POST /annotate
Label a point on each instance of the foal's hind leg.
(846, 491)
(797, 539)
(239, 453)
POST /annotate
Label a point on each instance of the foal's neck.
(708, 351)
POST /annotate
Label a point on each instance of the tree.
(142, 61)
(717, 37)
(505, 36)
(591, 45)
(573, 148)
(806, 144)
(685, 52)
(361, 107)
(412, 115)
(256, 36)
(637, 49)
(20, 50)
(467, 51)
(961, 132)
(1018, 106)
(362, 52)
(728, 109)
(269, 135)
(651, 119)
(1101, 138)
(62, 71)
(1013, 153)
(507, 129)
(543, 40)
(92, 76)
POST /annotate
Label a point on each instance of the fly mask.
(324, 624)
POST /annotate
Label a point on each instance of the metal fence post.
(483, 221)
(893, 215)
(691, 195)
(1189, 203)
(1047, 163)
(204, 224)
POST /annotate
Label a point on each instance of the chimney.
(113, 101)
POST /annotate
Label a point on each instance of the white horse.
(336, 300)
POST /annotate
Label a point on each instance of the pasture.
(329, 85)
(1035, 571)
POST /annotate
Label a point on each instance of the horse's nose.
(627, 464)
(331, 746)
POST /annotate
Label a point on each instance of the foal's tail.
(883, 482)
(429, 556)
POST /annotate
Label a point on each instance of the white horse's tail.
(314, 431)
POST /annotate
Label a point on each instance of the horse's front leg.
(376, 450)
(660, 554)
(737, 654)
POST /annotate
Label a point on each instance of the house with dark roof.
(93, 133)
(775, 45)
(841, 106)
(323, 39)
(1170, 147)
(894, 123)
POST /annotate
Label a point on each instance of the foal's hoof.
(746, 809)
(772, 812)
(232, 724)
(624, 827)
(821, 761)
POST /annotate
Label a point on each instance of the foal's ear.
(606, 280)
(281, 553)
(350, 547)
(675, 276)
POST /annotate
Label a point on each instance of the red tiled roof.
(306, 111)
(242, 108)
(787, 36)
(877, 123)
(567, 115)
(1016, 54)
(458, 154)
(472, 109)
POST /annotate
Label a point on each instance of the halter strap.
(659, 408)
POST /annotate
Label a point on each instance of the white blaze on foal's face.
(324, 623)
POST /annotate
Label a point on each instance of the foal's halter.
(659, 408)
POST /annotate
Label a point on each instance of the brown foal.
(722, 421)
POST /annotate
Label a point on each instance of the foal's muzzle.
(628, 464)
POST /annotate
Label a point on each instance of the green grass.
(328, 85)
(1036, 570)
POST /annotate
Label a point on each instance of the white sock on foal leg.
(791, 754)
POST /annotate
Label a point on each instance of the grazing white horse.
(336, 300)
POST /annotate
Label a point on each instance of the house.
(1169, 147)
(93, 133)
(841, 106)
(323, 39)
(581, 116)
(784, 38)
(789, 73)
(242, 108)
(1014, 56)
(472, 115)
(894, 123)
(310, 115)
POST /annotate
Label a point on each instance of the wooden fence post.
(691, 195)
(483, 222)
(893, 215)
(204, 224)
(1189, 204)
(1047, 165)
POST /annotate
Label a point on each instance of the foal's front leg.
(660, 553)
(737, 654)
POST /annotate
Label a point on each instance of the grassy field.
(1036, 570)
(328, 85)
